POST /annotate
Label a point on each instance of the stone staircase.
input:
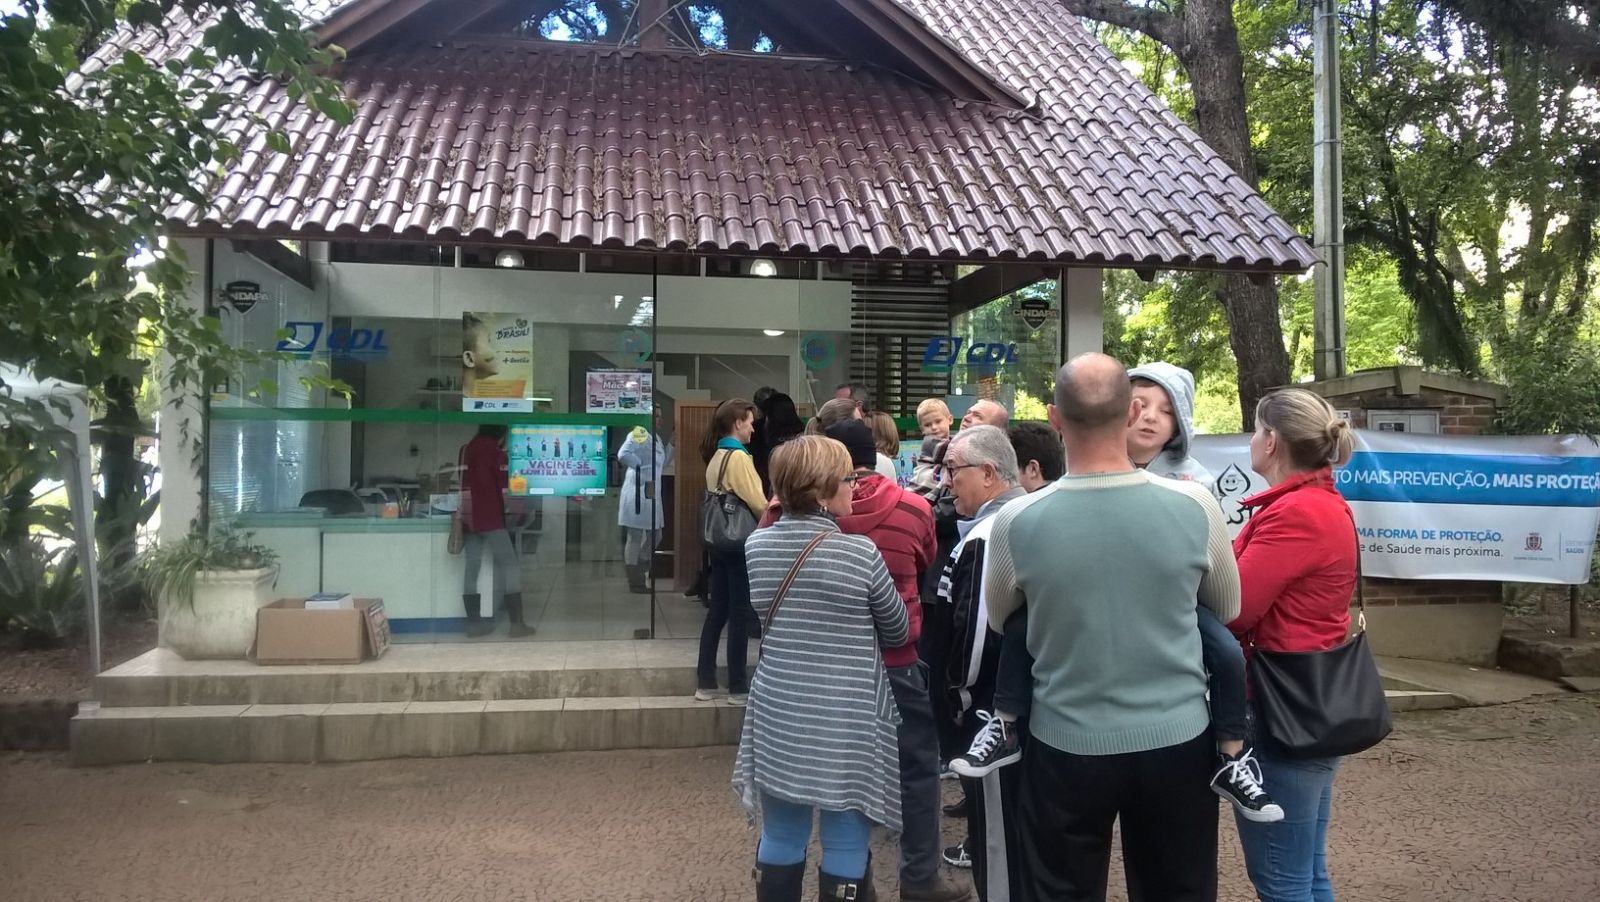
(479, 698)
(416, 701)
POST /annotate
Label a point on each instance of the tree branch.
(1162, 26)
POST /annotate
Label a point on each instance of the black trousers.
(1067, 804)
(992, 839)
(934, 649)
(919, 774)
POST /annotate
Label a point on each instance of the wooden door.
(692, 422)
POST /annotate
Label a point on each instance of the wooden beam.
(978, 288)
(954, 72)
(366, 21)
(275, 255)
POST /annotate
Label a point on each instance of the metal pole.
(1327, 193)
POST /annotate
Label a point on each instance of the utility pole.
(1327, 233)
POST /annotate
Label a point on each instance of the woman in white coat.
(643, 455)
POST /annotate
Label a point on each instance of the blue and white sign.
(1522, 509)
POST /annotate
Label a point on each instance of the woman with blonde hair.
(886, 436)
(820, 732)
(1298, 567)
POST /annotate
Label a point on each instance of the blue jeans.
(1288, 861)
(786, 831)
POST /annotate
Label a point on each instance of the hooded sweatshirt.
(1174, 461)
(900, 524)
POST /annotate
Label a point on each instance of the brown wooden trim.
(366, 21)
(942, 62)
(280, 258)
(978, 288)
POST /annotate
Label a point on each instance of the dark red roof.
(519, 141)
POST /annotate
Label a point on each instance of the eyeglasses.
(951, 468)
(853, 478)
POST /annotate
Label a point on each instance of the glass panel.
(445, 362)
(1008, 350)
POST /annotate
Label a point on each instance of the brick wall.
(1407, 592)
(1458, 414)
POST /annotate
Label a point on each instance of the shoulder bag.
(725, 520)
(1322, 704)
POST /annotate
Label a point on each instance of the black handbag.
(1322, 704)
(725, 521)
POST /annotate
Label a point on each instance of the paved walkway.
(1480, 804)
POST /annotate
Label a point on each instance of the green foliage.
(169, 571)
(99, 142)
(1544, 399)
(41, 591)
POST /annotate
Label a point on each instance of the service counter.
(403, 561)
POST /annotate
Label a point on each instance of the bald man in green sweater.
(1109, 561)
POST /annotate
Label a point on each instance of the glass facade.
(604, 370)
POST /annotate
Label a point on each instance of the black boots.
(638, 583)
(779, 882)
(841, 889)
(476, 626)
(513, 604)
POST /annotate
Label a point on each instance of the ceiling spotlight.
(764, 268)
(508, 259)
(772, 333)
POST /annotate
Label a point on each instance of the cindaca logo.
(304, 336)
(982, 356)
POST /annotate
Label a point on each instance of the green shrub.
(41, 592)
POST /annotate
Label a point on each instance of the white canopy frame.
(68, 406)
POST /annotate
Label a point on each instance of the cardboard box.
(287, 633)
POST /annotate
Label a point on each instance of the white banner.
(1515, 508)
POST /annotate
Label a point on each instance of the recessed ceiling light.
(764, 268)
(772, 333)
(508, 259)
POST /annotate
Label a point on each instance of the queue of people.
(1056, 615)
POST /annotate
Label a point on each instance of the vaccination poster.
(496, 355)
(557, 460)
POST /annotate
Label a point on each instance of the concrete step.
(303, 686)
(363, 731)
(1408, 700)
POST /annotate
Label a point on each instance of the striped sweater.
(820, 726)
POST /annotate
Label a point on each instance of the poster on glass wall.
(619, 391)
(496, 355)
(557, 460)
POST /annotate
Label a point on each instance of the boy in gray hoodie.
(1159, 442)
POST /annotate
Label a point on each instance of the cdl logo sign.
(945, 351)
(305, 338)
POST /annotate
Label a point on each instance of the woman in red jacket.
(1297, 567)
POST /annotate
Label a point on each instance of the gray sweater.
(1109, 567)
(820, 727)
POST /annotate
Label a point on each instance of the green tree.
(97, 143)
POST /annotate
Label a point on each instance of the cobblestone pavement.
(1481, 804)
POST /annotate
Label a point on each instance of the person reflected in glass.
(643, 456)
(484, 478)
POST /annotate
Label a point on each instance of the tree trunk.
(1209, 50)
(118, 519)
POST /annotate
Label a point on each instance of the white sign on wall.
(1523, 509)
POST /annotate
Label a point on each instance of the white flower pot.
(222, 621)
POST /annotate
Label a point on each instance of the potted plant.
(208, 590)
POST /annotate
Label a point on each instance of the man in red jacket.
(900, 524)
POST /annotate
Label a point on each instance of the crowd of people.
(1052, 613)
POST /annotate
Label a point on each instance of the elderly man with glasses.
(980, 471)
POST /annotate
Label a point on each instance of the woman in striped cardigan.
(820, 732)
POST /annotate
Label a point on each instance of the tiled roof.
(511, 141)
